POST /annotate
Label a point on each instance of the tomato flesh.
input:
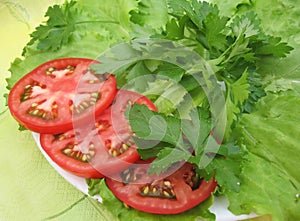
(58, 93)
(103, 146)
(171, 194)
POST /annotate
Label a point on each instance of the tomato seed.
(102, 125)
(154, 190)
(93, 102)
(44, 115)
(24, 98)
(95, 95)
(167, 183)
(134, 177)
(125, 146)
(166, 193)
(88, 157)
(71, 69)
(51, 69)
(146, 190)
(67, 151)
(85, 104)
(92, 153)
(35, 112)
(115, 153)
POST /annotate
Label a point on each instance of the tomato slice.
(171, 194)
(59, 92)
(101, 147)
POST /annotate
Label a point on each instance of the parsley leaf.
(237, 93)
(197, 129)
(216, 38)
(161, 136)
(226, 166)
(151, 125)
(58, 28)
(167, 157)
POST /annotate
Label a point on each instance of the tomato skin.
(58, 91)
(186, 198)
(107, 135)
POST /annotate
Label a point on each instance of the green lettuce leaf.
(278, 17)
(270, 180)
(150, 14)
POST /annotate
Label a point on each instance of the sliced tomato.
(57, 93)
(171, 194)
(102, 146)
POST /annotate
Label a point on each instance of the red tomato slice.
(57, 93)
(97, 149)
(171, 194)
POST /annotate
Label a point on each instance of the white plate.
(219, 208)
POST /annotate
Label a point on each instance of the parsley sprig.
(59, 28)
(231, 46)
(171, 140)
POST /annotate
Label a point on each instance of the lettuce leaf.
(278, 17)
(270, 180)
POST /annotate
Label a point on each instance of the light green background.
(30, 189)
